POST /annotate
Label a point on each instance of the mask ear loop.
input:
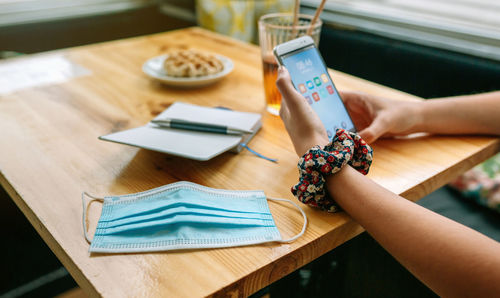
(303, 214)
(84, 214)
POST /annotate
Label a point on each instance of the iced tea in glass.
(273, 97)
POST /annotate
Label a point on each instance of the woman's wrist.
(335, 181)
(417, 112)
(317, 141)
(346, 176)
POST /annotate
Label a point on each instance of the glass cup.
(274, 29)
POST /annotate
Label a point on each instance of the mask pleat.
(207, 222)
(183, 206)
(172, 212)
(158, 203)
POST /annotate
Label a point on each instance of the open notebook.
(187, 143)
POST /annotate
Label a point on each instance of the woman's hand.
(375, 117)
(303, 125)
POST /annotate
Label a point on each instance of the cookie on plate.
(191, 64)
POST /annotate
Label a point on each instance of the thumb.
(290, 96)
(376, 129)
(347, 96)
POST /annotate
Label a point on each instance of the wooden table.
(49, 154)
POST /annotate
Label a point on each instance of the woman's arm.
(451, 259)
(375, 117)
(477, 114)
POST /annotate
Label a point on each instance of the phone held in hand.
(310, 77)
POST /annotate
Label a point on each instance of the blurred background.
(429, 48)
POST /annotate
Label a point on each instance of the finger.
(377, 128)
(284, 113)
(292, 98)
(347, 96)
(353, 101)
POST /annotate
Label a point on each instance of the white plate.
(154, 68)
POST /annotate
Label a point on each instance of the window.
(467, 26)
(15, 12)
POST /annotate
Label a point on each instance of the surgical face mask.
(183, 215)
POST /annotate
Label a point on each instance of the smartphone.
(310, 77)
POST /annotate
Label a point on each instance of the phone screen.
(310, 77)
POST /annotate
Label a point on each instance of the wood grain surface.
(49, 154)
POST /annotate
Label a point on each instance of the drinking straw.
(316, 16)
(295, 18)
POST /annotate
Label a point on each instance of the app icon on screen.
(330, 89)
(323, 93)
(317, 81)
(315, 96)
(309, 84)
(309, 100)
(324, 77)
(302, 88)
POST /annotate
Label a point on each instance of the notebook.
(186, 143)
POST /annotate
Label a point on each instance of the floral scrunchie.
(317, 163)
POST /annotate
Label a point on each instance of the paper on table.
(187, 143)
(27, 72)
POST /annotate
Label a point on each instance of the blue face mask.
(183, 215)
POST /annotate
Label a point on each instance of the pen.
(197, 126)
